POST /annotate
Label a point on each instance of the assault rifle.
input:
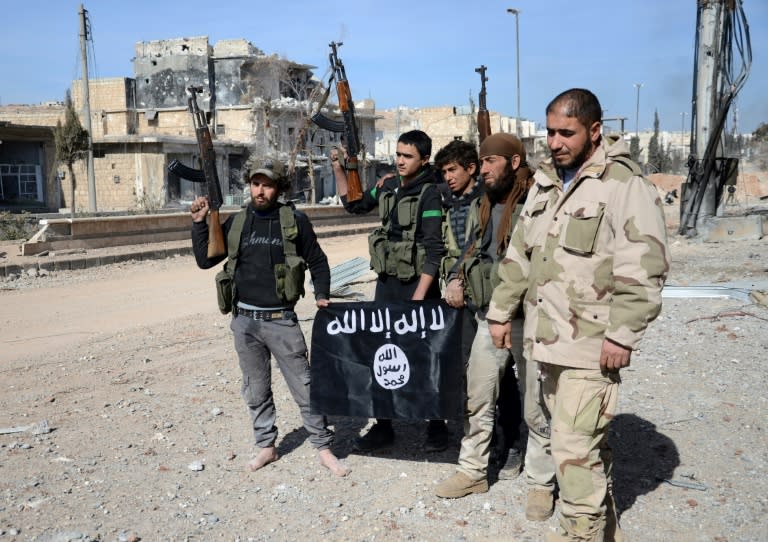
(348, 126)
(207, 174)
(483, 117)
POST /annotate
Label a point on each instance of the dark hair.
(579, 103)
(418, 139)
(461, 152)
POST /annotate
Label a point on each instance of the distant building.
(443, 124)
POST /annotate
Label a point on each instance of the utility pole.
(84, 34)
(721, 65)
(707, 80)
(516, 13)
(637, 111)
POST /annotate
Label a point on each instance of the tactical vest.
(289, 276)
(403, 259)
(480, 274)
(454, 241)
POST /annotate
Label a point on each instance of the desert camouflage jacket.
(588, 264)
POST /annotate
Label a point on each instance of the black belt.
(266, 316)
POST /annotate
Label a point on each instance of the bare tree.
(283, 111)
(71, 141)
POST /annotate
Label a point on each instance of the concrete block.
(125, 258)
(178, 251)
(77, 263)
(158, 254)
(107, 259)
(92, 261)
(735, 228)
(12, 269)
(47, 265)
(62, 264)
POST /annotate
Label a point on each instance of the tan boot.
(460, 485)
(540, 505)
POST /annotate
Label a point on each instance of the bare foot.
(332, 463)
(264, 457)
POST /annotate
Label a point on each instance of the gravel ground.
(149, 434)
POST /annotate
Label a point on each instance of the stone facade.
(113, 112)
(47, 114)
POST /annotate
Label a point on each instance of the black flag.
(387, 360)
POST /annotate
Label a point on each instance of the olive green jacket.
(588, 264)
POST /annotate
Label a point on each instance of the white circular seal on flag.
(391, 367)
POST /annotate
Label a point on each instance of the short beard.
(579, 159)
(261, 207)
(503, 187)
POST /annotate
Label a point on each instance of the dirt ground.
(133, 368)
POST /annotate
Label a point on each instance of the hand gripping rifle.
(348, 125)
(207, 174)
(483, 117)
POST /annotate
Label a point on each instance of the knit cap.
(502, 145)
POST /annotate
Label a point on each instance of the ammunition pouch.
(225, 290)
(377, 248)
(480, 278)
(401, 259)
(289, 278)
(452, 249)
(405, 259)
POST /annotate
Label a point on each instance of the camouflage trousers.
(539, 469)
(582, 402)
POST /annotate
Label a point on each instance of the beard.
(264, 205)
(501, 188)
(578, 160)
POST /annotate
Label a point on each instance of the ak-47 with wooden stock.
(348, 126)
(206, 174)
(483, 117)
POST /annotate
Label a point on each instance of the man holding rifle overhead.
(405, 251)
(268, 246)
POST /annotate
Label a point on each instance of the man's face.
(498, 174)
(459, 179)
(569, 141)
(264, 192)
(408, 160)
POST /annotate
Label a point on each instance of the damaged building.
(257, 106)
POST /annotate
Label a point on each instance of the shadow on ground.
(409, 440)
(642, 457)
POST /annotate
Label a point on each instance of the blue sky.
(413, 53)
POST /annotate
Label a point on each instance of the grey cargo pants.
(255, 342)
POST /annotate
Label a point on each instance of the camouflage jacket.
(587, 264)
